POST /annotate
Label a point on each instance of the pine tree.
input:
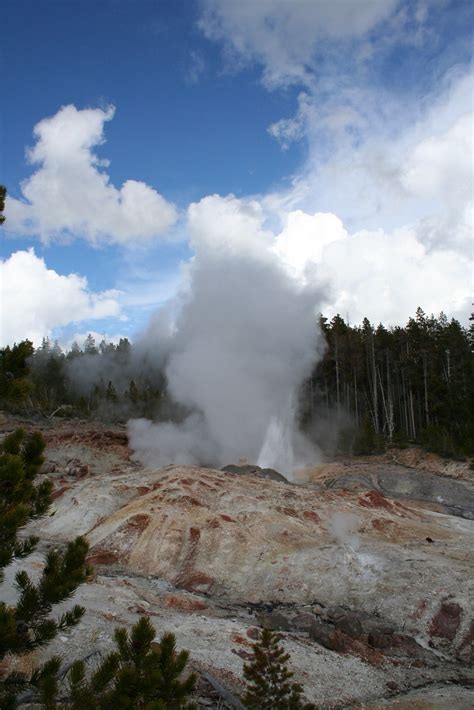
(15, 386)
(269, 685)
(3, 194)
(20, 501)
(139, 674)
(111, 393)
(132, 392)
(90, 347)
(28, 625)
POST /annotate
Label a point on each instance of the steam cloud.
(243, 340)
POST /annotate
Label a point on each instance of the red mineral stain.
(195, 581)
(311, 515)
(238, 638)
(183, 603)
(446, 621)
(375, 499)
(59, 492)
(190, 501)
(102, 557)
(138, 522)
(382, 525)
(143, 490)
(194, 536)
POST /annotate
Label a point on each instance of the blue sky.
(344, 126)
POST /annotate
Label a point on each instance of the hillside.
(364, 565)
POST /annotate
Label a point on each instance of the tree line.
(396, 385)
(106, 381)
(376, 386)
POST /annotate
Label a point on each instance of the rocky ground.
(364, 565)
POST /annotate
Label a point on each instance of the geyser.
(237, 345)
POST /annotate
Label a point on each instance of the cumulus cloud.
(228, 226)
(379, 156)
(71, 195)
(365, 272)
(441, 163)
(387, 214)
(382, 275)
(35, 300)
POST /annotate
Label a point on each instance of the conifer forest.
(374, 387)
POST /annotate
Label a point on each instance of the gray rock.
(350, 624)
(303, 622)
(253, 470)
(274, 620)
(336, 612)
(421, 485)
(323, 634)
(48, 467)
(410, 484)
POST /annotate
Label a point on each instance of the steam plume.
(244, 339)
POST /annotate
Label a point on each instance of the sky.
(338, 132)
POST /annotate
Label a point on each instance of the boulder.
(253, 470)
(274, 620)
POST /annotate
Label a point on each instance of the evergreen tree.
(139, 674)
(398, 385)
(132, 393)
(15, 385)
(90, 347)
(269, 685)
(3, 194)
(20, 500)
(74, 352)
(111, 393)
(28, 625)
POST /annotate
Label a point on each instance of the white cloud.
(392, 166)
(305, 237)
(377, 158)
(384, 275)
(228, 225)
(284, 34)
(34, 300)
(70, 194)
(382, 208)
(441, 164)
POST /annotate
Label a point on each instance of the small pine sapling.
(141, 673)
(269, 685)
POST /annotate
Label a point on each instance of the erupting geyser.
(236, 347)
